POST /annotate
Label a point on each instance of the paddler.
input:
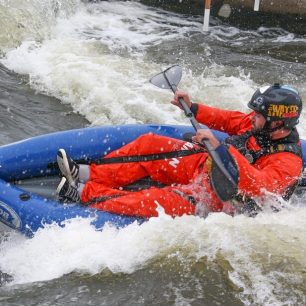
(264, 145)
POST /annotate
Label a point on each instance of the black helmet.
(278, 102)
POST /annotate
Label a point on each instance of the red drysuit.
(186, 176)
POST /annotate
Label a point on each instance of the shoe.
(66, 192)
(68, 167)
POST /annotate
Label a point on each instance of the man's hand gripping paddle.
(224, 175)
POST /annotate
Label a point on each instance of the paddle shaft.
(195, 123)
(190, 116)
(214, 155)
(206, 142)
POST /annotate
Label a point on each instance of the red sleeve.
(231, 122)
(273, 173)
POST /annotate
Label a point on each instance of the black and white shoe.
(68, 167)
(66, 192)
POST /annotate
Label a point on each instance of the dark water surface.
(26, 113)
(164, 282)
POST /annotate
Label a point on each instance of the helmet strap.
(263, 136)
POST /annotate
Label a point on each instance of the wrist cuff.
(194, 108)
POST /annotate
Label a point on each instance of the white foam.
(251, 246)
(113, 90)
(290, 37)
(110, 89)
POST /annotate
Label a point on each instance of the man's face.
(258, 121)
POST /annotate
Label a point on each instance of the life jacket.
(290, 143)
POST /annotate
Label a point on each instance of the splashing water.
(98, 58)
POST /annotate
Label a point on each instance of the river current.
(69, 64)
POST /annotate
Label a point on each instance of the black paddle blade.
(169, 78)
(224, 174)
(224, 188)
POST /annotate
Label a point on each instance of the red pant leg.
(175, 170)
(142, 203)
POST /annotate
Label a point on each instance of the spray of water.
(26, 20)
(101, 66)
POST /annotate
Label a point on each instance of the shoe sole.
(63, 164)
(60, 186)
(64, 198)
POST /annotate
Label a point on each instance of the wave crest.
(34, 19)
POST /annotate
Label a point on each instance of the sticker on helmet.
(258, 101)
(283, 111)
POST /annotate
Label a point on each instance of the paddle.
(224, 174)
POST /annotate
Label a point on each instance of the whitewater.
(88, 64)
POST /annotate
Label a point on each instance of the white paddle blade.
(168, 78)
